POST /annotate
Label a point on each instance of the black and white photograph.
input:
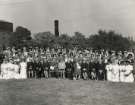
(67, 52)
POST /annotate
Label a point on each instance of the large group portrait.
(67, 52)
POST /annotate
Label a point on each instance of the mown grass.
(65, 92)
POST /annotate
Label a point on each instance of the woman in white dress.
(16, 70)
(3, 69)
(23, 69)
(10, 70)
(129, 73)
(115, 71)
(122, 69)
(109, 72)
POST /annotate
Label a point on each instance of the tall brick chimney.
(56, 27)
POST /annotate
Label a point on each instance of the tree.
(79, 40)
(109, 40)
(20, 36)
(102, 40)
(5, 38)
(45, 39)
(64, 40)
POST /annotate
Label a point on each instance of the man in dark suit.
(46, 67)
(84, 69)
(69, 71)
(100, 70)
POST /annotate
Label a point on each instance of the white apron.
(115, 73)
(128, 74)
(23, 70)
(122, 72)
(109, 72)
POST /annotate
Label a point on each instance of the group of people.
(61, 63)
(122, 72)
(13, 70)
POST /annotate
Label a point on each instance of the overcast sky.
(86, 16)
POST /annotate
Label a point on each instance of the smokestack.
(56, 26)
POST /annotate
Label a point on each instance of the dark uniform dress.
(40, 69)
(89, 69)
(69, 71)
(94, 71)
(84, 70)
(30, 69)
(46, 69)
(35, 69)
(1, 60)
(100, 71)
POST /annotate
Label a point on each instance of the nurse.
(23, 69)
(129, 73)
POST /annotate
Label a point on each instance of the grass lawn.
(65, 92)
